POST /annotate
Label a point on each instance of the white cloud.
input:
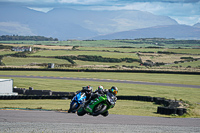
(41, 9)
(187, 20)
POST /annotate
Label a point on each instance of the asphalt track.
(105, 80)
(18, 121)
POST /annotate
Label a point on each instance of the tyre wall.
(169, 106)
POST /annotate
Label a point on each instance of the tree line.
(26, 38)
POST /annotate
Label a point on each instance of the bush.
(187, 58)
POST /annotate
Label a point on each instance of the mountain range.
(66, 23)
(163, 31)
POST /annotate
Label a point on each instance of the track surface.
(105, 80)
(52, 121)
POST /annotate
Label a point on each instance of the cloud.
(99, 1)
(85, 2)
(41, 9)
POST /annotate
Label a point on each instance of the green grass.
(185, 51)
(185, 64)
(75, 53)
(188, 94)
(111, 43)
(18, 61)
(79, 62)
(122, 107)
(7, 52)
(120, 49)
(146, 77)
(165, 58)
(34, 104)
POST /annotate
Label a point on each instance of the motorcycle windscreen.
(111, 98)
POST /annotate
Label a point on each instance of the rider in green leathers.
(100, 91)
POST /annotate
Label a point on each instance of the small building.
(6, 87)
(22, 49)
(51, 65)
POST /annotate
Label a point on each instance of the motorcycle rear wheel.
(99, 111)
(105, 114)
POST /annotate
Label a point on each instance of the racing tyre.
(81, 112)
(73, 108)
(99, 109)
(105, 114)
(69, 111)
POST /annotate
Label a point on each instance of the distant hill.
(65, 23)
(164, 31)
(197, 25)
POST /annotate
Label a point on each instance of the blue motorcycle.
(76, 102)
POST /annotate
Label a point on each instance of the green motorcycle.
(99, 105)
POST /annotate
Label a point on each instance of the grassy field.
(18, 61)
(145, 77)
(145, 54)
(185, 51)
(167, 43)
(165, 58)
(120, 49)
(75, 53)
(185, 64)
(99, 64)
(3, 52)
(122, 107)
(132, 107)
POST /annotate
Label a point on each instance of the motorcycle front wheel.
(74, 107)
(99, 109)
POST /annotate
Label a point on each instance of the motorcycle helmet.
(100, 89)
(113, 90)
(88, 89)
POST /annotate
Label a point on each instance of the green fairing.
(95, 102)
(91, 107)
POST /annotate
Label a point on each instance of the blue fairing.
(79, 98)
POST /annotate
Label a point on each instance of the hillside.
(65, 23)
(164, 31)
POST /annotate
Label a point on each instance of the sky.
(183, 11)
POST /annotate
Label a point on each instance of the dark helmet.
(88, 89)
(113, 90)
